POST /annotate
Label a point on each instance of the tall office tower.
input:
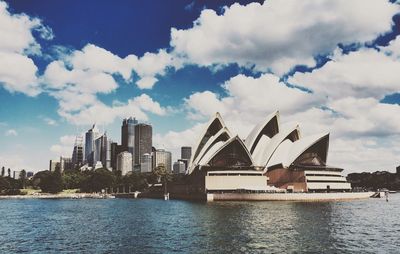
(115, 150)
(105, 155)
(146, 163)
(143, 141)
(162, 157)
(128, 134)
(124, 162)
(90, 137)
(77, 153)
(97, 150)
(179, 167)
(186, 152)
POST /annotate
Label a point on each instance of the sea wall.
(288, 196)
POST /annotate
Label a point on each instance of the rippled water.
(157, 226)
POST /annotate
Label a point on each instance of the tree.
(51, 182)
(3, 171)
(22, 178)
(97, 180)
(4, 184)
(163, 175)
(9, 172)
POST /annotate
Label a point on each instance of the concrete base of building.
(308, 197)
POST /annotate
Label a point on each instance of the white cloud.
(64, 147)
(278, 35)
(49, 121)
(11, 132)
(104, 114)
(364, 73)
(17, 70)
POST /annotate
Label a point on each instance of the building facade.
(77, 153)
(128, 134)
(186, 152)
(143, 141)
(162, 157)
(146, 164)
(124, 162)
(90, 138)
(179, 167)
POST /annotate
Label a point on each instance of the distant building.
(29, 174)
(398, 170)
(124, 162)
(186, 152)
(146, 163)
(65, 163)
(54, 164)
(77, 153)
(143, 141)
(90, 138)
(105, 151)
(160, 156)
(16, 174)
(115, 150)
(128, 134)
(179, 167)
(184, 161)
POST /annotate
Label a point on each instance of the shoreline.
(58, 196)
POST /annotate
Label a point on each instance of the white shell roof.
(251, 138)
(288, 151)
(267, 152)
(197, 148)
(206, 147)
(207, 158)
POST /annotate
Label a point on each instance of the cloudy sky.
(330, 65)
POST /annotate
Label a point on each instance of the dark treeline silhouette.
(86, 181)
(375, 180)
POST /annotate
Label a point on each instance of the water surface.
(157, 226)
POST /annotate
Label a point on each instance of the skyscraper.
(143, 141)
(124, 162)
(128, 134)
(77, 153)
(162, 157)
(106, 152)
(186, 152)
(146, 163)
(90, 137)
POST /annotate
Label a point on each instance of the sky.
(329, 65)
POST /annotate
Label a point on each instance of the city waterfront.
(157, 226)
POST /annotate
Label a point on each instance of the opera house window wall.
(273, 157)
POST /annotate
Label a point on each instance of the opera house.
(272, 158)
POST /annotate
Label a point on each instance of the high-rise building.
(128, 134)
(65, 163)
(90, 138)
(162, 157)
(115, 150)
(143, 141)
(77, 153)
(106, 152)
(398, 170)
(186, 152)
(146, 163)
(124, 162)
(179, 167)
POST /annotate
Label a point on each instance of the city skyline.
(329, 68)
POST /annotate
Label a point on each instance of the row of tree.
(86, 181)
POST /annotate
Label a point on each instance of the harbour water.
(158, 226)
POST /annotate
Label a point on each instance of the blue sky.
(330, 66)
